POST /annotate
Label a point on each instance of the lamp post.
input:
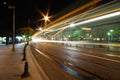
(13, 8)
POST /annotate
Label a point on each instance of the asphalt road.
(73, 63)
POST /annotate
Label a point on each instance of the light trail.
(59, 32)
(75, 42)
(110, 15)
(96, 19)
(48, 30)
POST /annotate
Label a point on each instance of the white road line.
(101, 58)
(43, 54)
(112, 55)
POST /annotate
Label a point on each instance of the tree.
(25, 31)
(77, 35)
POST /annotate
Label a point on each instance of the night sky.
(31, 9)
(28, 8)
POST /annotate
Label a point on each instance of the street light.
(46, 17)
(13, 8)
(40, 28)
(110, 34)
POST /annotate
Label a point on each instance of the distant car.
(9, 40)
(4, 40)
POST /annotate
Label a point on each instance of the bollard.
(24, 54)
(26, 72)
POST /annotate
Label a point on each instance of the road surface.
(75, 63)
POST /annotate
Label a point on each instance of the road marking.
(112, 55)
(101, 58)
(70, 63)
(43, 54)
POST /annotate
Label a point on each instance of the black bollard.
(26, 72)
(24, 54)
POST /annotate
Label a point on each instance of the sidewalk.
(11, 64)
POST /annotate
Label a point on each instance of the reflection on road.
(80, 63)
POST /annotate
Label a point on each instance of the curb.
(35, 70)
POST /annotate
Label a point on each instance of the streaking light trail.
(95, 19)
(100, 18)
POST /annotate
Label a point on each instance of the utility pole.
(13, 8)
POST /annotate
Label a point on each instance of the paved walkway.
(11, 64)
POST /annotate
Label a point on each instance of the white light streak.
(100, 18)
(81, 23)
(91, 20)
